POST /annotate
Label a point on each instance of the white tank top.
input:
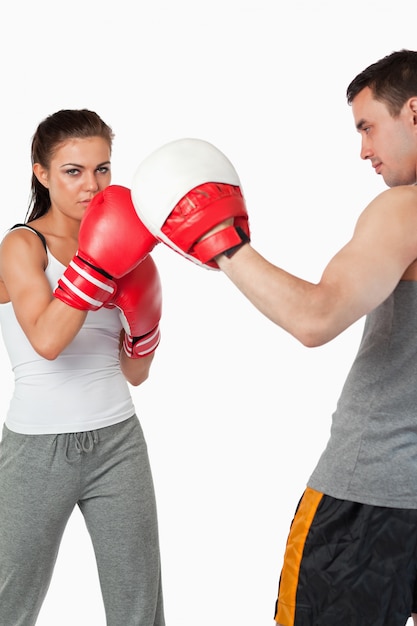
(83, 389)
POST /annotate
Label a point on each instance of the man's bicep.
(384, 243)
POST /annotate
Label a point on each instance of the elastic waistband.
(83, 443)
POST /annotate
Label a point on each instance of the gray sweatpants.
(106, 473)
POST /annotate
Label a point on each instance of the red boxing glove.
(139, 299)
(183, 191)
(112, 240)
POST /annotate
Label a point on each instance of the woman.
(71, 436)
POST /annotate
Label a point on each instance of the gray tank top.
(371, 456)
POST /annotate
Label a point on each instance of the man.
(351, 557)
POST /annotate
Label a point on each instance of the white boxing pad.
(170, 172)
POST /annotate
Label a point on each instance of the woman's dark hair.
(50, 134)
(392, 80)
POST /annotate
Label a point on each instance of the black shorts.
(348, 564)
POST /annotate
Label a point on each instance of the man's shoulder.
(400, 193)
(396, 202)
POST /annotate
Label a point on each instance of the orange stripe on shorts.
(293, 554)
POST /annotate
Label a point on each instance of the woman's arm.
(136, 371)
(49, 324)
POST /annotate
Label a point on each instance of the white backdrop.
(235, 412)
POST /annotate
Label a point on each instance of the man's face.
(390, 143)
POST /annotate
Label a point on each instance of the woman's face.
(78, 170)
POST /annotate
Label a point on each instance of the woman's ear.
(41, 174)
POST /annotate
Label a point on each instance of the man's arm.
(356, 280)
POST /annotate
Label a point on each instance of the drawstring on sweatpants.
(84, 442)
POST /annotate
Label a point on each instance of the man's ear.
(41, 173)
(413, 107)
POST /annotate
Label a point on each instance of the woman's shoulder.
(20, 249)
(31, 229)
(22, 241)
